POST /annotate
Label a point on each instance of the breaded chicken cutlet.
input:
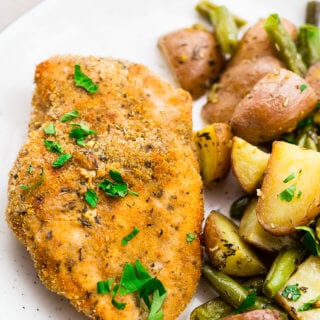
(133, 173)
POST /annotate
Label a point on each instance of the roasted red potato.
(273, 107)
(194, 58)
(256, 315)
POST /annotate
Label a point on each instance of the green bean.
(239, 206)
(317, 230)
(233, 293)
(204, 7)
(309, 43)
(212, 310)
(313, 12)
(284, 45)
(282, 268)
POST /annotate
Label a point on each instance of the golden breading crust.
(144, 131)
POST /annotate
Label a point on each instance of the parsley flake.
(50, 129)
(80, 133)
(310, 304)
(104, 287)
(290, 177)
(156, 313)
(248, 302)
(190, 237)
(303, 87)
(116, 188)
(30, 169)
(91, 197)
(310, 241)
(53, 146)
(69, 116)
(61, 160)
(291, 292)
(82, 80)
(130, 236)
(35, 185)
(288, 194)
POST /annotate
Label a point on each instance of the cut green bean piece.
(313, 13)
(212, 310)
(204, 7)
(284, 44)
(309, 43)
(282, 268)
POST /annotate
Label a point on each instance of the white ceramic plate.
(119, 28)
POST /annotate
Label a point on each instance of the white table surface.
(10, 10)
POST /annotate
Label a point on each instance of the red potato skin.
(273, 107)
(235, 83)
(256, 44)
(256, 315)
(194, 58)
(313, 78)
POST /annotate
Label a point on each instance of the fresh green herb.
(80, 133)
(35, 185)
(61, 160)
(299, 194)
(290, 177)
(156, 313)
(82, 80)
(135, 278)
(104, 287)
(287, 194)
(310, 304)
(50, 129)
(310, 241)
(69, 116)
(305, 122)
(291, 292)
(190, 237)
(116, 188)
(303, 87)
(91, 197)
(30, 169)
(248, 302)
(130, 236)
(53, 146)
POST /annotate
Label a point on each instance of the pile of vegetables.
(264, 123)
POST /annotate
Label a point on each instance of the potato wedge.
(290, 192)
(214, 149)
(227, 251)
(252, 232)
(307, 280)
(256, 315)
(274, 106)
(248, 164)
(193, 57)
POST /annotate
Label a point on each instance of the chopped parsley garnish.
(80, 133)
(190, 237)
(299, 194)
(290, 177)
(35, 185)
(288, 194)
(116, 188)
(61, 160)
(130, 236)
(82, 80)
(310, 241)
(104, 287)
(248, 302)
(291, 292)
(91, 197)
(53, 146)
(30, 169)
(310, 304)
(135, 278)
(50, 129)
(303, 87)
(69, 116)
